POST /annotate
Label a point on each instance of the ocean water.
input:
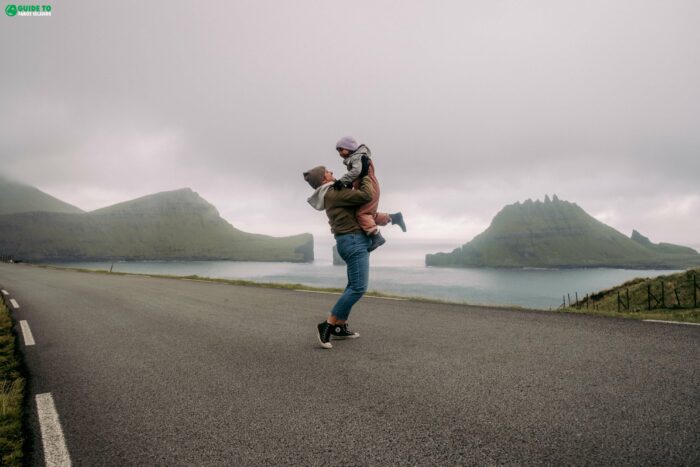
(531, 288)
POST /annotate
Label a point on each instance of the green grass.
(677, 304)
(12, 387)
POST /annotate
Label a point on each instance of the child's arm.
(353, 172)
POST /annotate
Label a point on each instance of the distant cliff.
(18, 197)
(175, 225)
(557, 233)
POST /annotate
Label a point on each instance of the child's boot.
(398, 220)
(377, 241)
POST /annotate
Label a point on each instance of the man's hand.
(338, 185)
(365, 167)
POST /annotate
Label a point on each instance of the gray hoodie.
(317, 200)
(354, 164)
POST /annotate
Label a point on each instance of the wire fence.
(659, 295)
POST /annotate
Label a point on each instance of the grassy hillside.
(557, 233)
(673, 296)
(166, 226)
(647, 293)
(17, 197)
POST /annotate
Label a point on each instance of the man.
(351, 241)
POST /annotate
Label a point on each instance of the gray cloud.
(467, 106)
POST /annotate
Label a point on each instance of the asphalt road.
(148, 371)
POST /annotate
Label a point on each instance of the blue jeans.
(353, 249)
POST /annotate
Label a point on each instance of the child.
(367, 215)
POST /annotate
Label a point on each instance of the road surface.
(148, 371)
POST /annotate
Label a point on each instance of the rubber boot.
(377, 241)
(398, 220)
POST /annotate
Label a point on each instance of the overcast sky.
(466, 105)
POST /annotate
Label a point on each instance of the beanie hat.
(347, 142)
(315, 176)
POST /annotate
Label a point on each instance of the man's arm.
(358, 197)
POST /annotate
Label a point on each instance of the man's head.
(346, 146)
(318, 176)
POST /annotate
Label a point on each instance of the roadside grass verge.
(294, 286)
(691, 316)
(681, 316)
(12, 387)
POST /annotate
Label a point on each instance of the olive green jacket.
(341, 205)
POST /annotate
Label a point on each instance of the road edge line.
(364, 296)
(669, 322)
(55, 449)
(26, 333)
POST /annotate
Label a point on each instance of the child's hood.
(363, 150)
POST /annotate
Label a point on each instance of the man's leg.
(353, 249)
(354, 252)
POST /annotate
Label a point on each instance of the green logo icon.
(11, 10)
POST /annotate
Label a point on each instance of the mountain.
(174, 225)
(663, 248)
(557, 233)
(18, 197)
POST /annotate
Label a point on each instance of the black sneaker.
(340, 331)
(377, 241)
(324, 335)
(398, 220)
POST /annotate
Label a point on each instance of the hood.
(363, 150)
(317, 200)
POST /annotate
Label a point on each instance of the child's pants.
(367, 215)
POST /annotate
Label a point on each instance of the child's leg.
(367, 212)
(365, 217)
(382, 218)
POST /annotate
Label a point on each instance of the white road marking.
(340, 293)
(5, 292)
(27, 333)
(388, 298)
(670, 322)
(55, 449)
(317, 291)
(15, 305)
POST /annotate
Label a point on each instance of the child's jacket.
(354, 164)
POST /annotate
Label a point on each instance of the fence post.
(663, 295)
(618, 301)
(568, 295)
(627, 293)
(649, 296)
(695, 292)
(577, 304)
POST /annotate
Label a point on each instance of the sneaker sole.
(341, 338)
(325, 345)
